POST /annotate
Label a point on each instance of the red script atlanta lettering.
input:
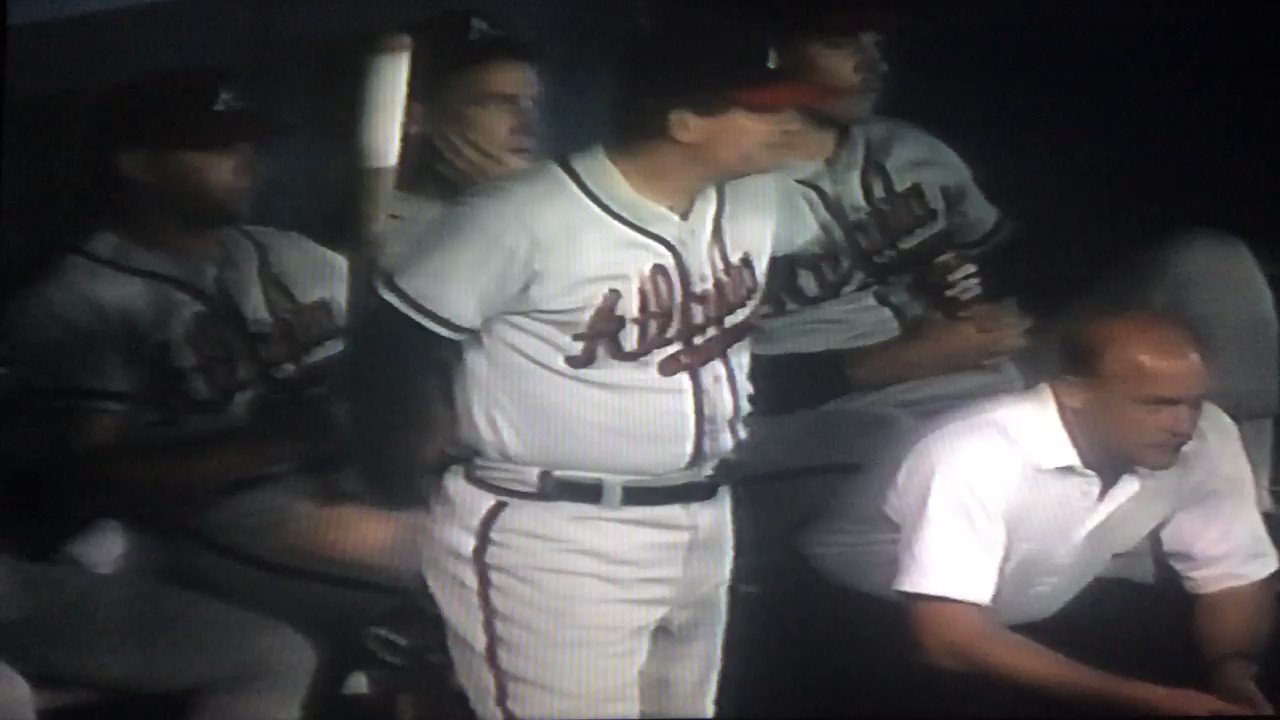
(660, 322)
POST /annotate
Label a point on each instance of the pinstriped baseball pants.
(566, 610)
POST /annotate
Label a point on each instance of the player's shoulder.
(91, 277)
(523, 198)
(287, 242)
(905, 142)
(100, 264)
(1000, 430)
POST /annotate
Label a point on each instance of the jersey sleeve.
(949, 504)
(976, 222)
(914, 157)
(1216, 539)
(67, 347)
(475, 264)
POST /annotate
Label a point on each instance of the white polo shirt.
(995, 508)
(601, 332)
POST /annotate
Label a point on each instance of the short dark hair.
(636, 117)
(689, 58)
(439, 61)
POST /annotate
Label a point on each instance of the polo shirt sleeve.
(1216, 539)
(949, 502)
(476, 262)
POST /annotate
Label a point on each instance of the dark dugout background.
(1097, 124)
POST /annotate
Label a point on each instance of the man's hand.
(979, 335)
(962, 637)
(983, 333)
(468, 161)
(1233, 682)
(1167, 701)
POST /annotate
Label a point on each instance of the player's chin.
(853, 107)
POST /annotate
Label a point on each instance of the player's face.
(495, 107)
(740, 142)
(1147, 411)
(206, 188)
(852, 64)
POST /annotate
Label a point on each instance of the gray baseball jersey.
(888, 193)
(183, 345)
(889, 188)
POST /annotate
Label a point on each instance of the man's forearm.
(885, 363)
(994, 651)
(1234, 625)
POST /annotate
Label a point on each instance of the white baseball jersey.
(183, 345)
(601, 332)
(995, 508)
(889, 188)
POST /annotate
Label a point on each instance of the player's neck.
(1093, 453)
(167, 235)
(661, 174)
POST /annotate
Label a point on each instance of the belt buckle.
(610, 494)
(610, 491)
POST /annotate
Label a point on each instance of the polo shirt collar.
(1050, 446)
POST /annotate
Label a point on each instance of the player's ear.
(686, 127)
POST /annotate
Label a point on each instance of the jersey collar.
(607, 181)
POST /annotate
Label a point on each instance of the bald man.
(1005, 512)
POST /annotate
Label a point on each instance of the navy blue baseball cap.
(800, 19)
(692, 56)
(185, 109)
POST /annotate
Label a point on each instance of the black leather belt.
(553, 489)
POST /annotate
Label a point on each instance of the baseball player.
(193, 357)
(893, 317)
(599, 303)
(910, 228)
(882, 329)
(472, 116)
